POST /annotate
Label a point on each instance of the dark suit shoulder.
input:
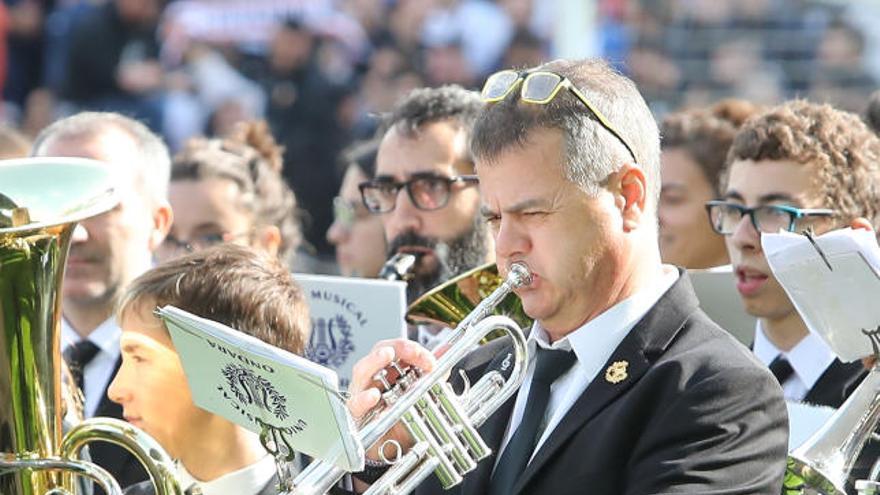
(836, 383)
(702, 349)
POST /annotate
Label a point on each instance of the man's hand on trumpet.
(366, 393)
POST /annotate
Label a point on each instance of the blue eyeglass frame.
(793, 212)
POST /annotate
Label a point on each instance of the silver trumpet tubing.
(398, 267)
(442, 424)
(822, 464)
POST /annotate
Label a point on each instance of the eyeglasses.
(541, 87)
(346, 213)
(427, 192)
(768, 219)
(198, 243)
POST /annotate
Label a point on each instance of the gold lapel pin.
(616, 373)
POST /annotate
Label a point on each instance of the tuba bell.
(41, 199)
(823, 463)
(442, 423)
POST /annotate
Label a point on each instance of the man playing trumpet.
(630, 387)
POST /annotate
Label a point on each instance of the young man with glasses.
(630, 388)
(425, 189)
(798, 166)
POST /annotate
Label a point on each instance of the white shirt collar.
(595, 341)
(249, 480)
(105, 336)
(809, 358)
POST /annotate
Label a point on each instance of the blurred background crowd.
(319, 71)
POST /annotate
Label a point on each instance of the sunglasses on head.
(540, 87)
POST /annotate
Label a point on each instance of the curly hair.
(251, 159)
(844, 150)
(707, 133)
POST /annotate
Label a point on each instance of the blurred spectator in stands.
(445, 63)
(388, 76)
(524, 50)
(695, 144)
(659, 78)
(22, 64)
(738, 69)
(357, 235)
(303, 112)
(13, 144)
(479, 29)
(113, 61)
(840, 77)
(231, 190)
(872, 113)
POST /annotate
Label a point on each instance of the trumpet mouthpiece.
(519, 275)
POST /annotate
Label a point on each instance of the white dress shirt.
(249, 480)
(809, 359)
(98, 373)
(593, 343)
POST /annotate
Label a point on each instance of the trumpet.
(442, 423)
(36, 223)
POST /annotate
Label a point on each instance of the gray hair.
(592, 153)
(151, 164)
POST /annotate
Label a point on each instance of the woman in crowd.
(695, 144)
(231, 190)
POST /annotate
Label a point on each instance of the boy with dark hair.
(238, 287)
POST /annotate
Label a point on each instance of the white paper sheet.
(839, 303)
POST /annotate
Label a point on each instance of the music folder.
(293, 401)
(833, 282)
(349, 315)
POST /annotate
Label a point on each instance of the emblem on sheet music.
(616, 373)
(253, 390)
(330, 343)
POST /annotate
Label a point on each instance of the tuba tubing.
(320, 476)
(37, 219)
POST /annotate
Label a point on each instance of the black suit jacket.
(836, 384)
(116, 460)
(697, 413)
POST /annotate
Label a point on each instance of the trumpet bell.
(450, 303)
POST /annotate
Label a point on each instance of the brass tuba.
(41, 199)
(442, 423)
(822, 464)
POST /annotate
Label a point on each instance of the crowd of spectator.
(320, 70)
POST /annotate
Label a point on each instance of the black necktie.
(781, 369)
(78, 356)
(549, 366)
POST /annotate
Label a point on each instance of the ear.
(861, 223)
(162, 219)
(268, 238)
(632, 196)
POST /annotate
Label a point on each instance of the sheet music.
(840, 303)
(261, 387)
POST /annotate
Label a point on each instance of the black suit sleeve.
(716, 437)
